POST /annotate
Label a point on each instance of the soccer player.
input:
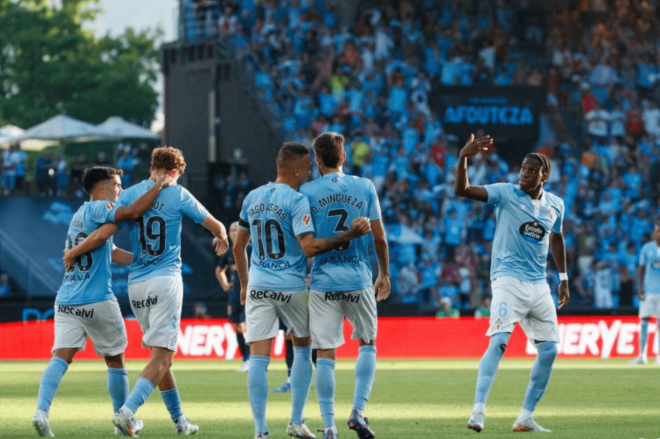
(278, 219)
(529, 220)
(155, 287)
(227, 276)
(341, 280)
(648, 279)
(85, 304)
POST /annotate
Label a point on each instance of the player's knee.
(547, 349)
(498, 342)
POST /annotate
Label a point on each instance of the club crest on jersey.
(109, 206)
(532, 232)
(306, 220)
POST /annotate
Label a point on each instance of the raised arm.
(121, 256)
(241, 258)
(382, 284)
(558, 249)
(142, 204)
(220, 241)
(315, 246)
(462, 186)
(94, 240)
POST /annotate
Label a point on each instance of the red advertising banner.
(398, 337)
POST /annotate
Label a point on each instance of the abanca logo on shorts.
(532, 232)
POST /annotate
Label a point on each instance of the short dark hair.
(98, 174)
(328, 147)
(546, 166)
(290, 151)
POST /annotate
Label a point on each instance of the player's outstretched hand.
(220, 246)
(475, 146)
(564, 295)
(382, 287)
(68, 260)
(360, 226)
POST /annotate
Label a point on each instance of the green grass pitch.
(430, 399)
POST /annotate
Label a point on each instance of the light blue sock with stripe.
(117, 387)
(489, 365)
(172, 401)
(301, 381)
(643, 336)
(139, 395)
(365, 374)
(540, 374)
(50, 381)
(258, 391)
(325, 389)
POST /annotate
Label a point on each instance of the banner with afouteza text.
(398, 338)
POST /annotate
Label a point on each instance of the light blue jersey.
(91, 278)
(522, 232)
(276, 215)
(649, 258)
(336, 200)
(156, 235)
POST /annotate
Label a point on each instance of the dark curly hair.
(168, 157)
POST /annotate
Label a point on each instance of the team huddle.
(333, 219)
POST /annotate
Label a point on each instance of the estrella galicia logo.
(532, 232)
(655, 265)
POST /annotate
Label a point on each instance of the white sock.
(524, 414)
(479, 407)
(128, 413)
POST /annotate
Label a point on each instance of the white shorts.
(264, 307)
(528, 303)
(156, 303)
(650, 306)
(327, 311)
(102, 321)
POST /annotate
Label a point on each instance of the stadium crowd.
(372, 81)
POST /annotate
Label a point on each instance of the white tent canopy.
(117, 128)
(9, 132)
(61, 127)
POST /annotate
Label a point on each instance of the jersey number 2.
(341, 226)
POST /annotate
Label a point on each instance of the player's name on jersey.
(76, 311)
(272, 295)
(158, 206)
(146, 303)
(272, 207)
(348, 259)
(347, 297)
(77, 224)
(146, 262)
(76, 277)
(337, 198)
(275, 265)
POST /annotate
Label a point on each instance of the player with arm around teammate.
(648, 281)
(529, 221)
(85, 305)
(341, 280)
(277, 218)
(155, 287)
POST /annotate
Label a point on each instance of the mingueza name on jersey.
(273, 265)
(272, 207)
(76, 311)
(340, 260)
(347, 297)
(338, 198)
(272, 295)
(76, 277)
(146, 303)
(146, 262)
(532, 232)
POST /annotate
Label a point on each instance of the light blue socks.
(325, 389)
(540, 375)
(643, 336)
(301, 380)
(117, 387)
(50, 381)
(365, 373)
(489, 365)
(172, 401)
(140, 393)
(258, 391)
